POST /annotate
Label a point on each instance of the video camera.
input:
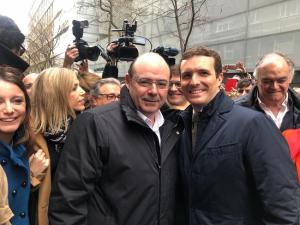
(85, 52)
(126, 51)
(167, 53)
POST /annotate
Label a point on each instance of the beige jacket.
(43, 183)
(5, 212)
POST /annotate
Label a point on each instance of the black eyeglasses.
(176, 83)
(21, 50)
(145, 82)
(111, 97)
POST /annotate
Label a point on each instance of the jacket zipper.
(159, 192)
(158, 165)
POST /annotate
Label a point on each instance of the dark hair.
(12, 75)
(10, 34)
(204, 51)
(175, 70)
(245, 82)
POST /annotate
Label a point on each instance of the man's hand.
(71, 54)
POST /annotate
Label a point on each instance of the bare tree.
(186, 14)
(109, 14)
(42, 41)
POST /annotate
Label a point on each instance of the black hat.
(7, 57)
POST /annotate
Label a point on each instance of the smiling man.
(235, 164)
(119, 165)
(175, 98)
(274, 73)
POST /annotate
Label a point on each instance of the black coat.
(240, 171)
(291, 119)
(112, 170)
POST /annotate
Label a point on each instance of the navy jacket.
(16, 166)
(240, 171)
(291, 119)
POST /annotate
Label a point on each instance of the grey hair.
(96, 91)
(286, 59)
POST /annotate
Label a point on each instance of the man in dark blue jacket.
(272, 95)
(235, 164)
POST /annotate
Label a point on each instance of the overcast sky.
(18, 10)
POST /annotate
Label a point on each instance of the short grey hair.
(96, 91)
(286, 59)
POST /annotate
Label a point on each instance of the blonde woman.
(56, 99)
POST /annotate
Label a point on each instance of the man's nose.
(153, 88)
(275, 85)
(173, 87)
(195, 79)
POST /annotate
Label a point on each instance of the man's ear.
(220, 78)
(127, 80)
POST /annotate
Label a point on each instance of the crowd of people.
(169, 146)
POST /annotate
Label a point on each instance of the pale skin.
(148, 100)
(38, 163)
(273, 80)
(12, 114)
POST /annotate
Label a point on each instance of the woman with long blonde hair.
(56, 99)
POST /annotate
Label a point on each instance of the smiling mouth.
(8, 120)
(196, 91)
(175, 93)
(150, 100)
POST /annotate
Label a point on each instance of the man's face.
(175, 96)
(148, 86)
(109, 93)
(244, 90)
(199, 81)
(273, 80)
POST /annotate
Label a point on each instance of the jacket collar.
(128, 107)
(220, 104)
(250, 99)
(130, 111)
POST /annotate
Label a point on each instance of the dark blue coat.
(16, 166)
(240, 171)
(291, 120)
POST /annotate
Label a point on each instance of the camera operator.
(111, 69)
(71, 54)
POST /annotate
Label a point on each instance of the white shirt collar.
(283, 104)
(159, 121)
(283, 110)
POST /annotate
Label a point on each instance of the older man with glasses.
(106, 90)
(119, 165)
